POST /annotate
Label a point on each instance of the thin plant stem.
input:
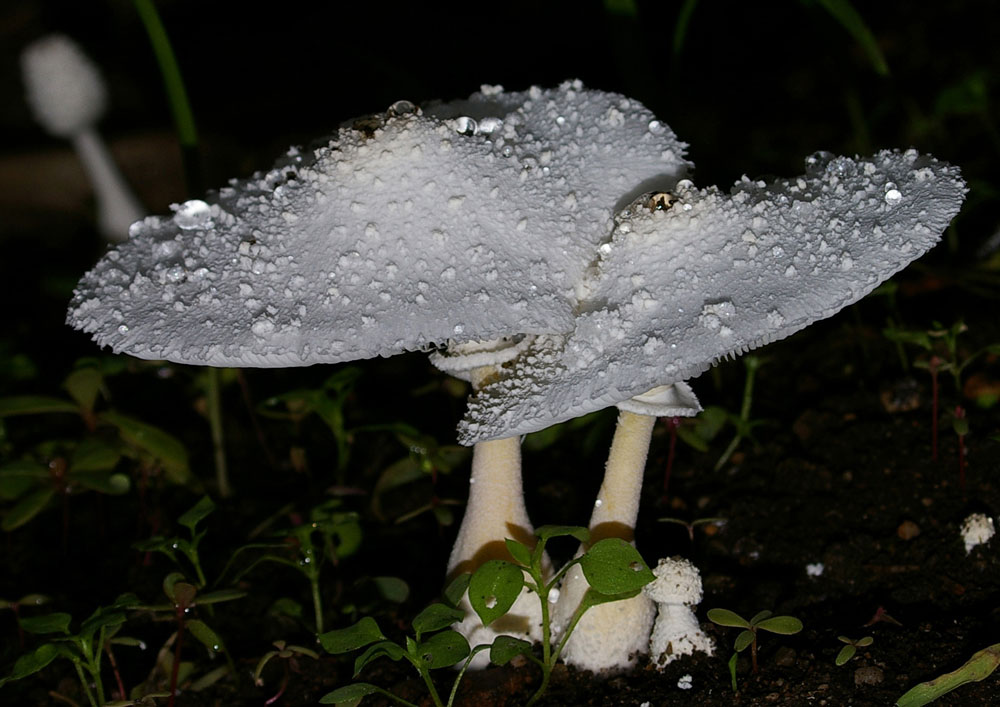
(935, 362)
(62, 698)
(114, 669)
(214, 405)
(180, 108)
(83, 684)
(672, 424)
(426, 675)
(175, 668)
(317, 601)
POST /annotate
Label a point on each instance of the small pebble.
(868, 675)
(908, 530)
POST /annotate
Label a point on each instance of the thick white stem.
(117, 206)
(677, 633)
(610, 636)
(495, 511)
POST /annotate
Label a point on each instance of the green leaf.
(94, 454)
(104, 617)
(725, 617)
(34, 405)
(351, 638)
(286, 607)
(849, 19)
(392, 589)
(457, 587)
(384, 648)
(442, 650)
(436, 617)
(162, 446)
(32, 662)
(50, 623)
(547, 532)
(785, 625)
(979, 667)
(103, 482)
(846, 653)
(494, 588)
(27, 508)
(519, 551)
(83, 385)
(220, 596)
(506, 648)
(760, 616)
(205, 634)
(614, 566)
(197, 513)
(743, 641)
(17, 477)
(349, 693)
(681, 25)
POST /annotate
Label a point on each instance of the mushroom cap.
(716, 275)
(674, 400)
(677, 582)
(64, 88)
(468, 221)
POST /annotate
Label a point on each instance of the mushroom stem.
(495, 510)
(117, 206)
(609, 636)
(617, 504)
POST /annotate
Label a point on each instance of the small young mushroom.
(676, 591)
(67, 96)
(609, 637)
(977, 529)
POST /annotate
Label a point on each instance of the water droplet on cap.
(464, 125)
(402, 108)
(817, 161)
(489, 125)
(192, 214)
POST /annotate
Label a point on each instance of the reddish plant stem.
(672, 424)
(114, 669)
(753, 653)
(281, 688)
(175, 668)
(934, 363)
(960, 415)
(16, 608)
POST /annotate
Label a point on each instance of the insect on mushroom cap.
(469, 220)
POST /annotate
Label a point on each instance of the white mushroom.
(977, 529)
(686, 281)
(495, 509)
(610, 636)
(464, 222)
(67, 96)
(676, 591)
